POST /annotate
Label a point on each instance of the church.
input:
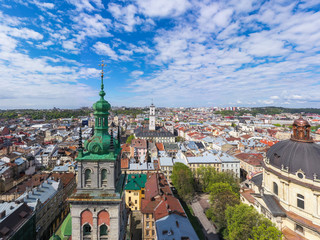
(290, 193)
(153, 132)
(98, 206)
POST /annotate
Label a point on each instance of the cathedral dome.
(298, 154)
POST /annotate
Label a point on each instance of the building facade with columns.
(98, 206)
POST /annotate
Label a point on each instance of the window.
(104, 175)
(136, 194)
(147, 232)
(135, 201)
(300, 201)
(86, 229)
(142, 191)
(87, 178)
(129, 199)
(275, 188)
(103, 230)
(299, 228)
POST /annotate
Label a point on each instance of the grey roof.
(159, 132)
(175, 226)
(9, 207)
(296, 155)
(257, 180)
(273, 206)
(171, 146)
(42, 193)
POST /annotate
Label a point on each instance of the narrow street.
(208, 229)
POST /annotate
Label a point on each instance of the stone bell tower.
(97, 207)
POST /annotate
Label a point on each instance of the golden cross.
(102, 65)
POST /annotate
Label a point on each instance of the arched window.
(300, 201)
(104, 175)
(275, 188)
(103, 230)
(86, 229)
(87, 178)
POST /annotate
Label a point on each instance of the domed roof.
(301, 122)
(295, 156)
(101, 106)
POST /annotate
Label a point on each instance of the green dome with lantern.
(101, 106)
(101, 145)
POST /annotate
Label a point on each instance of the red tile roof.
(124, 163)
(254, 159)
(160, 146)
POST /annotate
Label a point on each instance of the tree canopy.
(244, 222)
(183, 181)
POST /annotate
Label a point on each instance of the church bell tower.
(97, 207)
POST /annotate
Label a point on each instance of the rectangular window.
(135, 201)
(300, 201)
(147, 232)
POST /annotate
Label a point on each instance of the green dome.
(101, 106)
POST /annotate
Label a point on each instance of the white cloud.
(125, 15)
(105, 49)
(163, 8)
(137, 73)
(274, 97)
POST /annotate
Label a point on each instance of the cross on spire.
(102, 65)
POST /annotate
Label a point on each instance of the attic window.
(300, 175)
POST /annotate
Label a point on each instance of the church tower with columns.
(97, 206)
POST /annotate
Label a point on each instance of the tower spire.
(102, 93)
(80, 148)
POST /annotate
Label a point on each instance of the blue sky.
(176, 52)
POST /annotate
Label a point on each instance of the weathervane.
(102, 65)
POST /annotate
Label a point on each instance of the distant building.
(153, 132)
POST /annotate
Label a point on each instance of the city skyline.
(178, 53)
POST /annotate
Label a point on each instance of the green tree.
(266, 231)
(179, 139)
(130, 138)
(205, 176)
(244, 222)
(225, 177)
(183, 181)
(221, 196)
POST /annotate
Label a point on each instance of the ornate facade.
(290, 194)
